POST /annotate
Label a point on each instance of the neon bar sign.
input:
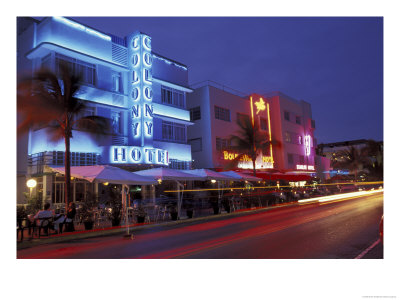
(305, 167)
(138, 155)
(246, 162)
(141, 133)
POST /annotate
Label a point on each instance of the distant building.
(214, 110)
(331, 151)
(140, 91)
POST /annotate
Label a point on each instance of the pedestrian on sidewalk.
(69, 221)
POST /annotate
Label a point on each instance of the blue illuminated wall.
(137, 102)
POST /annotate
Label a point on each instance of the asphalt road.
(328, 230)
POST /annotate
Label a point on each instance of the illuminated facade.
(141, 92)
(287, 121)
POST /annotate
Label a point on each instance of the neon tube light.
(269, 131)
(252, 113)
(169, 62)
(82, 28)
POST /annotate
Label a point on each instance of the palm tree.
(375, 155)
(249, 141)
(44, 100)
(353, 159)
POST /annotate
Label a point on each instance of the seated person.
(45, 213)
(58, 221)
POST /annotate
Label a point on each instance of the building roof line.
(218, 86)
(78, 52)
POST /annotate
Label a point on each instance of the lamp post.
(31, 183)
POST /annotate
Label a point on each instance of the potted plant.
(215, 205)
(189, 209)
(86, 211)
(140, 214)
(173, 212)
(114, 201)
(226, 205)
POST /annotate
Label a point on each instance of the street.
(325, 230)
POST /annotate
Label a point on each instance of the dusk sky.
(336, 64)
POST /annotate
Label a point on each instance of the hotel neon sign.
(141, 130)
(138, 155)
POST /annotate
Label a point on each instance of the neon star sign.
(260, 106)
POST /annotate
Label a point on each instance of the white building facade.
(141, 92)
(287, 121)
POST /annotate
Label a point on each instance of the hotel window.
(290, 158)
(116, 83)
(221, 144)
(222, 113)
(77, 158)
(173, 132)
(312, 123)
(298, 120)
(288, 137)
(300, 140)
(286, 115)
(86, 71)
(263, 124)
(195, 113)
(179, 164)
(301, 159)
(172, 97)
(196, 144)
(242, 118)
(116, 122)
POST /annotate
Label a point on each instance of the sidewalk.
(80, 233)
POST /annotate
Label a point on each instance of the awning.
(281, 176)
(105, 173)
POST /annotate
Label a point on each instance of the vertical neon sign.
(307, 144)
(141, 92)
(261, 106)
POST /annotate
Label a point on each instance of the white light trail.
(341, 196)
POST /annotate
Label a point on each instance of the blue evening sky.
(336, 64)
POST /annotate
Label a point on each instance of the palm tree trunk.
(254, 167)
(67, 190)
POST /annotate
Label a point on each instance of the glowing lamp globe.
(31, 183)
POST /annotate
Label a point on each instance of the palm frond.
(94, 124)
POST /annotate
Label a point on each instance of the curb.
(65, 237)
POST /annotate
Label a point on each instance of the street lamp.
(31, 183)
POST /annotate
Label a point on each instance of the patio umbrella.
(105, 173)
(170, 174)
(206, 174)
(241, 176)
(167, 174)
